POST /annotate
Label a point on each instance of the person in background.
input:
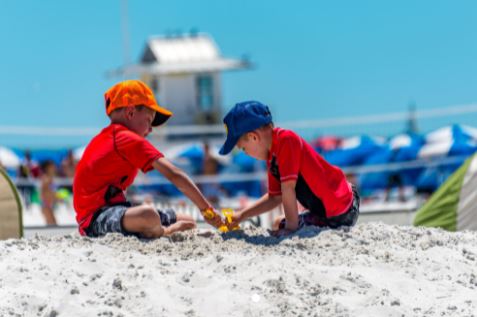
(28, 167)
(68, 165)
(67, 170)
(48, 191)
(28, 171)
(210, 167)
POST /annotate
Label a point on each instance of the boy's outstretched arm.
(183, 182)
(264, 204)
(290, 206)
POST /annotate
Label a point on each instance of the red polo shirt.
(108, 166)
(320, 185)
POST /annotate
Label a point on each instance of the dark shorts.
(109, 219)
(348, 219)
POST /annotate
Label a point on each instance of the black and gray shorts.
(109, 219)
(348, 219)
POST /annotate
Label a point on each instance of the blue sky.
(314, 59)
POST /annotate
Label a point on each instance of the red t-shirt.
(321, 187)
(108, 166)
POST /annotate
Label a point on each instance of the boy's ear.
(129, 112)
(253, 135)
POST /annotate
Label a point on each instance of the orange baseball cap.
(134, 93)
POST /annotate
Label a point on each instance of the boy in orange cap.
(112, 160)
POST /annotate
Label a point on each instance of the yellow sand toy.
(228, 213)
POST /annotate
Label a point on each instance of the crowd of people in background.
(36, 182)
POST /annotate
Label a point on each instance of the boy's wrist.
(241, 215)
(207, 210)
(208, 213)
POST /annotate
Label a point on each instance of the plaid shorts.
(348, 219)
(109, 219)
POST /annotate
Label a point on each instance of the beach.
(373, 269)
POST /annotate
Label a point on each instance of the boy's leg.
(349, 218)
(141, 221)
(152, 223)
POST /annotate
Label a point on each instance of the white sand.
(373, 270)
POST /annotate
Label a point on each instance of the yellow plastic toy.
(228, 213)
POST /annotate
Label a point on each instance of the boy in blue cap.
(295, 173)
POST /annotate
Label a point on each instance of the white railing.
(219, 129)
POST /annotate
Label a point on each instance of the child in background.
(112, 160)
(48, 191)
(295, 173)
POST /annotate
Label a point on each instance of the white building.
(185, 74)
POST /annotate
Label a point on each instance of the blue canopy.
(400, 148)
(353, 151)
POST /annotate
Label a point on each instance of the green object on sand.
(453, 206)
(11, 224)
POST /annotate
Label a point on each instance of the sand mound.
(372, 270)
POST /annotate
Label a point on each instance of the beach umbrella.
(376, 180)
(454, 205)
(456, 141)
(8, 158)
(434, 176)
(405, 148)
(399, 148)
(453, 147)
(193, 152)
(353, 151)
(455, 132)
(449, 141)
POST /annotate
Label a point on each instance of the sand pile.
(372, 270)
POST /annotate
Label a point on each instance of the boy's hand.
(180, 225)
(237, 218)
(212, 218)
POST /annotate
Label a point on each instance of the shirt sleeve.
(136, 150)
(289, 156)
(274, 187)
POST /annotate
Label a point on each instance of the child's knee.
(149, 214)
(147, 218)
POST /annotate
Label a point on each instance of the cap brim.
(229, 144)
(162, 115)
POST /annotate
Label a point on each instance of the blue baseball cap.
(242, 118)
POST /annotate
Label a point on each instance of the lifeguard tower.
(184, 72)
